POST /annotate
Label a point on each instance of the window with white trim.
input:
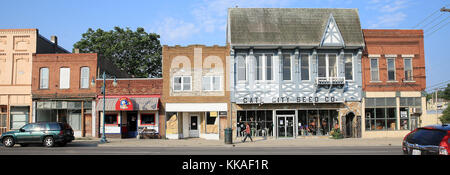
(84, 78)
(348, 67)
(181, 83)
(64, 78)
(374, 69)
(211, 83)
(408, 69)
(327, 65)
(241, 67)
(43, 78)
(269, 67)
(304, 66)
(259, 66)
(391, 68)
(286, 66)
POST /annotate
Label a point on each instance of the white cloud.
(174, 30)
(389, 20)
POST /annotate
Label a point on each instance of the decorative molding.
(390, 55)
(374, 56)
(408, 56)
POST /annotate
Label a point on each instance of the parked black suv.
(48, 133)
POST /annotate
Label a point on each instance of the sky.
(186, 22)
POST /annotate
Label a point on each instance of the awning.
(196, 107)
(139, 103)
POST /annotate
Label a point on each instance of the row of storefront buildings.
(288, 73)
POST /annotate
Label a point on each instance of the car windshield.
(426, 137)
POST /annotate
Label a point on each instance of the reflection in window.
(260, 122)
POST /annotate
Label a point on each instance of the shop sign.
(124, 104)
(222, 112)
(310, 99)
(213, 114)
(403, 114)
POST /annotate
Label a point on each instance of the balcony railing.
(330, 81)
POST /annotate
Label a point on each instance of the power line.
(438, 28)
(432, 20)
(426, 18)
(437, 23)
(438, 84)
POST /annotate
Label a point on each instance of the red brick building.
(63, 88)
(141, 110)
(393, 74)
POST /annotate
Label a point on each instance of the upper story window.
(304, 66)
(64, 78)
(286, 66)
(408, 69)
(241, 67)
(84, 78)
(211, 83)
(391, 68)
(374, 69)
(43, 78)
(327, 65)
(182, 83)
(348, 61)
(264, 66)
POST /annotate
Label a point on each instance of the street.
(94, 149)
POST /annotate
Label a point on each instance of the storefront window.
(381, 119)
(147, 119)
(19, 117)
(404, 119)
(316, 122)
(211, 118)
(260, 122)
(111, 119)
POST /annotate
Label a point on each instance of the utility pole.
(443, 9)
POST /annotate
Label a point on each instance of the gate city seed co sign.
(258, 100)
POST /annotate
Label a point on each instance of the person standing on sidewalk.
(247, 133)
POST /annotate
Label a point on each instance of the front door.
(193, 127)
(131, 124)
(88, 125)
(285, 126)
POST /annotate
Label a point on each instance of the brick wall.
(380, 43)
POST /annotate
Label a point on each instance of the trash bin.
(228, 136)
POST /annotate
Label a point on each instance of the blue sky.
(203, 21)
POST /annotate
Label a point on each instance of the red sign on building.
(124, 104)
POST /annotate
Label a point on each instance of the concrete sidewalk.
(258, 142)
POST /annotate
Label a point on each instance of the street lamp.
(103, 140)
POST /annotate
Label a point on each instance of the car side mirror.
(22, 130)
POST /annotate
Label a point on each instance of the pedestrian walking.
(247, 133)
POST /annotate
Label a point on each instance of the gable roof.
(290, 26)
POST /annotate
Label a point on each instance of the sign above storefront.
(310, 99)
(124, 104)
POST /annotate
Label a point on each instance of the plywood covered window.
(64, 78)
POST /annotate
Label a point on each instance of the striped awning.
(139, 103)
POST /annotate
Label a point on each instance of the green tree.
(136, 52)
(445, 118)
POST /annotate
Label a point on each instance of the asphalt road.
(94, 149)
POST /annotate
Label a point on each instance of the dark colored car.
(428, 140)
(47, 133)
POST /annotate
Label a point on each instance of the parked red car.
(428, 140)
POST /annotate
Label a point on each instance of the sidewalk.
(258, 142)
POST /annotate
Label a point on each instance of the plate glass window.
(43, 78)
(148, 119)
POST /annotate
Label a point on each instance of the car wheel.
(8, 142)
(49, 141)
(23, 144)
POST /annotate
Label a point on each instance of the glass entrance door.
(285, 126)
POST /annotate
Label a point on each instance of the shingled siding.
(290, 26)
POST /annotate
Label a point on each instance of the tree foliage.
(445, 118)
(136, 52)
